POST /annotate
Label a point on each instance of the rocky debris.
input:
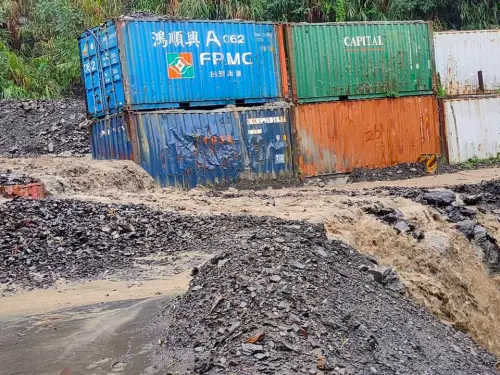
(472, 200)
(311, 313)
(484, 197)
(41, 241)
(9, 179)
(439, 198)
(399, 172)
(396, 219)
(39, 127)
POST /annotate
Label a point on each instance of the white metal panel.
(461, 54)
(472, 128)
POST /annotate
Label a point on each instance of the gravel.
(8, 179)
(399, 172)
(37, 127)
(286, 300)
(43, 240)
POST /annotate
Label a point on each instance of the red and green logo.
(180, 65)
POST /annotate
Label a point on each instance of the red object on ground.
(35, 190)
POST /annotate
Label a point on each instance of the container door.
(267, 134)
(101, 70)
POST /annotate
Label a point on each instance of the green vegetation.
(474, 162)
(39, 55)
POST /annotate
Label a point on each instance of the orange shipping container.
(335, 137)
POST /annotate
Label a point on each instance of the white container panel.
(472, 127)
(460, 55)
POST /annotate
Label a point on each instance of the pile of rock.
(41, 241)
(285, 300)
(32, 128)
(399, 172)
(9, 179)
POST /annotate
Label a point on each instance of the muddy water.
(97, 339)
(90, 328)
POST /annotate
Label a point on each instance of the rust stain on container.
(282, 63)
(337, 137)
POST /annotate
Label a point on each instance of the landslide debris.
(402, 171)
(44, 240)
(8, 178)
(43, 127)
(285, 300)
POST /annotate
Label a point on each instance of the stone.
(402, 227)
(467, 227)
(439, 198)
(472, 200)
(275, 279)
(255, 338)
(297, 265)
(251, 349)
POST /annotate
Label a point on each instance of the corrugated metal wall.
(168, 64)
(461, 54)
(190, 148)
(111, 139)
(337, 137)
(359, 60)
(472, 127)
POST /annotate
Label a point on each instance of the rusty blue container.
(189, 148)
(110, 138)
(149, 64)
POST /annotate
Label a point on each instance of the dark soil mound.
(398, 172)
(38, 127)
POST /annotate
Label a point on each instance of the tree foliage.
(39, 54)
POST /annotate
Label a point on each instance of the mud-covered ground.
(408, 171)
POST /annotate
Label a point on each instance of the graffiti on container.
(214, 139)
(373, 135)
(107, 132)
(264, 153)
(216, 151)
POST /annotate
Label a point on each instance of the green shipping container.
(359, 60)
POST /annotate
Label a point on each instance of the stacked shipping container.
(333, 64)
(134, 66)
(467, 65)
(362, 94)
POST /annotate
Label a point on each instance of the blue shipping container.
(110, 138)
(190, 148)
(147, 64)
